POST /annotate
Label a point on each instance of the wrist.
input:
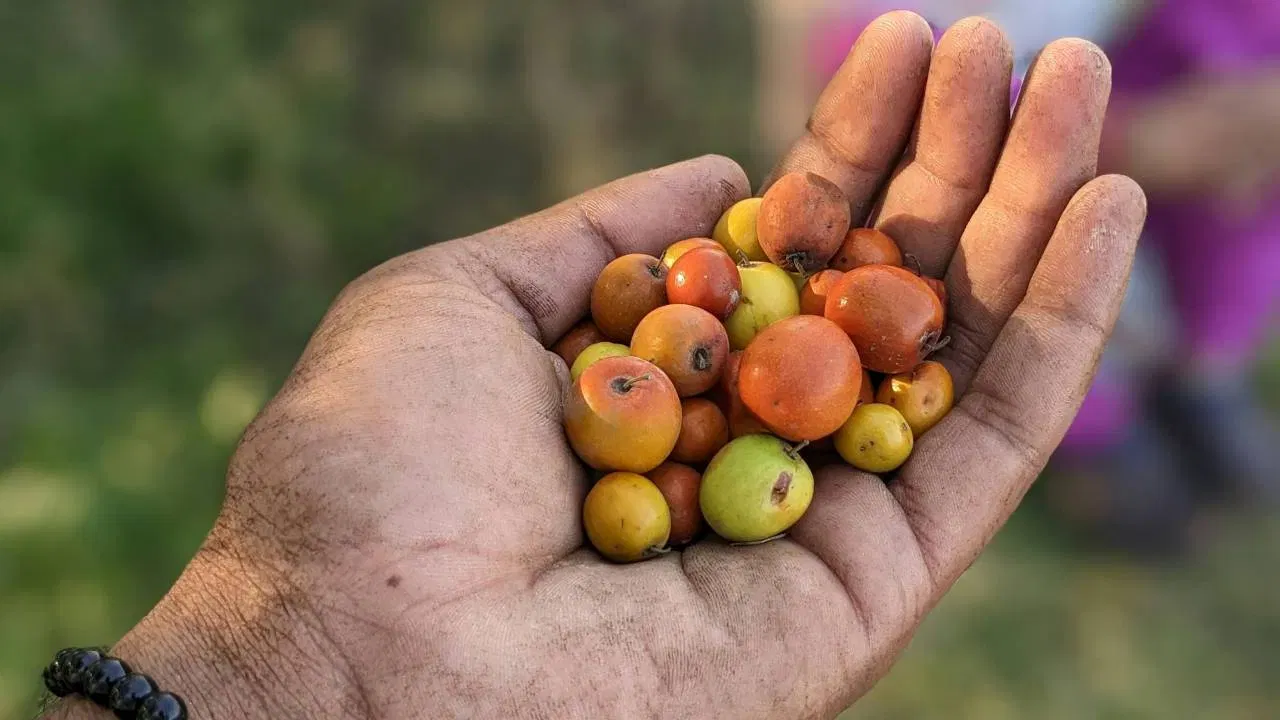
(232, 645)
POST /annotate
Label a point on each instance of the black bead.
(128, 694)
(53, 682)
(99, 679)
(163, 706)
(60, 670)
(80, 661)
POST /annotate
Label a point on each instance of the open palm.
(402, 535)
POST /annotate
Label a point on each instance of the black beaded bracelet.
(110, 683)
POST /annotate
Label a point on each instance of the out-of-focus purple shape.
(1224, 269)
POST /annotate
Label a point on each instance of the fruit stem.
(933, 342)
(913, 264)
(793, 451)
(779, 536)
(743, 260)
(627, 384)
(796, 261)
(656, 550)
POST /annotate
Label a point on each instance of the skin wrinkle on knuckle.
(1019, 204)
(589, 214)
(699, 595)
(969, 184)
(1086, 326)
(913, 603)
(531, 305)
(924, 532)
(824, 142)
(989, 410)
(969, 188)
(966, 350)
(730, 192)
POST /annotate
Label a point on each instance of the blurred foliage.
(188, 183)
(1033, 631)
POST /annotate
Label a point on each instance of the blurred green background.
(188, 183)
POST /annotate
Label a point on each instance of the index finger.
(861, 123)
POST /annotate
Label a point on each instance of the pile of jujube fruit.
(704, 378)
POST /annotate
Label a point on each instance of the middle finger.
(954, 152)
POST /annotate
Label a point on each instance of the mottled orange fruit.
(803, 219)
(579, 338)
(707, 279)
(622, 413)
(868, 391)
(677, 249)
(703, 430)
(680, 485)
(939, 288)
(628, 288)
(688, 343)
(741, 421)
(813, 294)
(801, 377)
(866, 246)
(892, 316)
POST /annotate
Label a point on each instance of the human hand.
(1210, 136)
(401, 533)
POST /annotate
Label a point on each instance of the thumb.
(549, 261)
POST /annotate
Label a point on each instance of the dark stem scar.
(393, 581)
(702, 359)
